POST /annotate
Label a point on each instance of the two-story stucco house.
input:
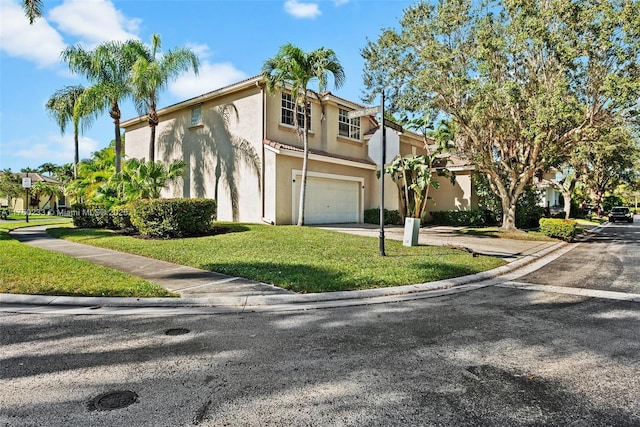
(241, 148)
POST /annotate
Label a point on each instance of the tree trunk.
(115, 115)
(303, 184)
(153, 123)
(509, 213)
(76, 155)
(566, 196)
(152, 145)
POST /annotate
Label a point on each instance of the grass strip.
(26, 269)
(496, 232)
(303, 259)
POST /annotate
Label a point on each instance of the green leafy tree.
(609, 161)
(108, 68)
(64, 173)
(10, 186)
(293, 69)
(522, 81)
(151, 73)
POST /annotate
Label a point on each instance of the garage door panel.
(332, 201)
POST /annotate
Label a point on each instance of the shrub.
(167, 218)
(610, 201)
(558, 228)
(372, 216)
(474, 217)
(121, 217)
(91, 215)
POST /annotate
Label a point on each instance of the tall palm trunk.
(153, 123)
(305, 161)
(115, 115)
(76, 150)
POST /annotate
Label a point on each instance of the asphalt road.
(608, 261)
(496, 356)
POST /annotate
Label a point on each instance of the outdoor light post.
(383, 148)
(380, 157)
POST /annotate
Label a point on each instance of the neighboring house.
(240, 144)
(550, 195)
(37, 202)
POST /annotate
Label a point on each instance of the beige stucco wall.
(448, 196)
(199, 146)
(269, 195)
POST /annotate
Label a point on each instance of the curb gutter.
(255, 302)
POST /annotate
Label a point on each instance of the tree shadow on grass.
(296, 277)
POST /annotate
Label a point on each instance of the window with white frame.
(288, 107)
(346, 126)
(196, 116)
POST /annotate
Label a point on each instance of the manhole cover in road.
(177, 331)
(113, 400)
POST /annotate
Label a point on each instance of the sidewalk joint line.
(218, 282)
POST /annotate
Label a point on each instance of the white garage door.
(331, 201)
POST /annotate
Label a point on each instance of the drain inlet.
(113, 400)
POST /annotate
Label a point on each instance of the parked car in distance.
(620, 213)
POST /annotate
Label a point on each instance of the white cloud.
(54, 148)
(39, 42)
(210, 77)
(340, 2)
(202, 51)
(90, 21)
(301, 10)
(94, 21)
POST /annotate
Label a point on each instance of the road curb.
(362, 297)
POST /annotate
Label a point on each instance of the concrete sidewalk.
(200, 288)
(508, 249)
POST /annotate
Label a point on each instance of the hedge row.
(470, 218)
(558, 228)
(162, 218)
(372, 216)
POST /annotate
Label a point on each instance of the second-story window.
(348, 127)
(287, 112)
(196, 116)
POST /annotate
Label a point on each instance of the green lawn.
(496, 232)
(28, 270)
(302, 259)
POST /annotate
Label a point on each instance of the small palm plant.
(145, 180)
(414, 175)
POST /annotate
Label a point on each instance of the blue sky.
(231, 38)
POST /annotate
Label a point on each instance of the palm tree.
(145, 180)
(48, 168)
(65, 106)
(108, 68)
(50, 189)
(95, 180)
(151, 74)
(33, 9)
(294, 69)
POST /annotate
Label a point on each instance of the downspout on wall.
(264, 135)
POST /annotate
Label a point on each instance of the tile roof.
(35, 177)
(281, 146)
